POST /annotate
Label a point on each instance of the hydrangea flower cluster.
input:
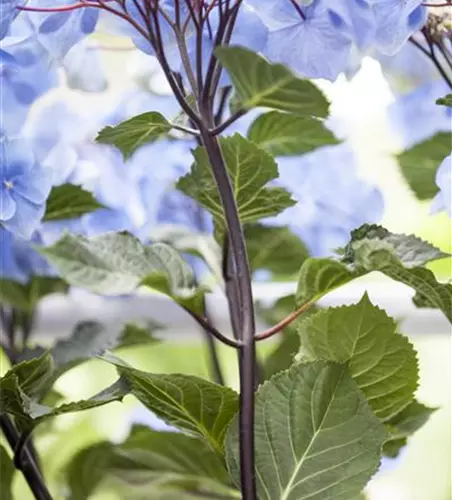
(47, 44)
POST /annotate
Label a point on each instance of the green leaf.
(316, 436)
(69, 202)
(133, 335)
(25, 297)
(128, 136)
(445, 101)
(393, 255)
(32, 375)
(148, 463)
(405, 424)
(192, 404)
(7, 471)
(87, 469)
(250, 169)
(420, 163)
(408, 248)
(283, 134)
(151, 450)
(274, 248)
(29, 413)
(382, 362)
(258, 83)
(117, 263)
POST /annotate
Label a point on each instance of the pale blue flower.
(24, 187)
(443, 200)
(8, 12)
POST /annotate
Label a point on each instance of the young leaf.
(32, 374)
(192, 404)
(117, 263)
(29, 413)
(408, 248)
(283, 134)
(445, 101)
(420, 163)
(250, 169)
(382, 362)
(87, 469)
(25, 297)
(69, 202)
(405, 424)
(374, 249)
(274, 248)
(128, 136)
(258, 83)
(316, 436)
(7, 471)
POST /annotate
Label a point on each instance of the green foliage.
(7, 471)
(288, 343)
(405, 424)
(276, 249)
(250, 169)
(283, 134)
(69, 202)
(148, 463)
(445, 101)
(258, 83)
(373, 248)
(117, 263)
(26, 297)
(128, 136)
(316, 436)
(382, 362)
(189, 403)
(420, 163)
(22, 385)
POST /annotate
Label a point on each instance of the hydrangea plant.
(237, 173)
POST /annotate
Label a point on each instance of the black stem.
(28, 465)
(247, 355)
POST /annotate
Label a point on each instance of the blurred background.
(366, 108)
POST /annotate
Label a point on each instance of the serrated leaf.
(7, 471)
(25, 297)
(420, 163)
(276, 249)
(150, 462)
(128, 136)
(394, 255)
(316, 436)
(382, 362)
(445, 101)
(194, 405)
(117, 263)
(409, 249)
(69, 202)
(30, 413)
(258, 83)
(393, 447)
(283, 134)
(32, 374)
(250, 169)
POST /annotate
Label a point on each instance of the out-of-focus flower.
(8, 12)
(24, 187)
(443, 200)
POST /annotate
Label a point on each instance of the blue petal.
(26, 218)
(7, 204)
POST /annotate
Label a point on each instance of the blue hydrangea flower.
(332, 199)
(25, 76)
(316, 45)
(58, 32)
(397, 20)
(19, 262)
(24, 187)
(8, 12)
(443, 200)
(416, 117)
